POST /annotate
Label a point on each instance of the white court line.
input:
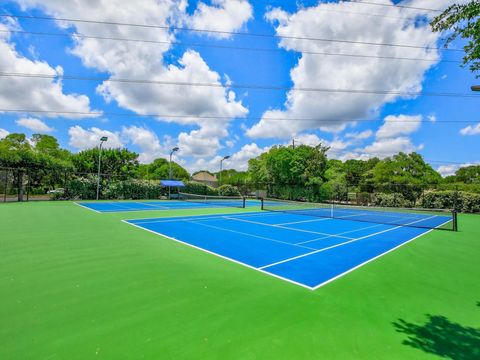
(342, 233)
(220, 256)
(202, 217)
(304, 221)
(247, 234)
(271, 274)
(369, 260)
(337, 245)
(285, 227)
(86, 207)
(376, 257)
(155, 206)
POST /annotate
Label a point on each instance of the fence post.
(28, 185)
(6, 184)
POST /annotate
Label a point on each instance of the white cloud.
(34, 93)
(399, 125)
(358, 136)
(142, 60)
(335, 145)
(237, 161)
(432, 118)
(34, 125)
(447, 170)
(204, 142)
(224, 15)
(390, 146)
(3, 133)
(380, 148)
(83, 139)
(450, 169)
(147, 141)
(471, 130)
(335, 72)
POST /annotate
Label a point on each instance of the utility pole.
(170, 169)
(221, 168)
(102, 140)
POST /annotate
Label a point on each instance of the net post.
(262, 200)
(455, 220)
(244, 201)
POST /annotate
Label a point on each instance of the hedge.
(194, 187)
(86, 188)
(458, 200)
(391, 200)
(228, 190)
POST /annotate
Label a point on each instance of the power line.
(47, 18)
(390, 154)
(186, 44)
(200, 117)
(238, 86)
(335, 10)
(394, 5)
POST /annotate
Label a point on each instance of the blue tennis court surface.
(120, 206)
(308, 251)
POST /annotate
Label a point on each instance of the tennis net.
(421, 218)
(212, 200)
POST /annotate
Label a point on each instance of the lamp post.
(475, 88)
(170, 168)
(221, 168)
(102, 140)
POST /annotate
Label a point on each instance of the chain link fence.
(18, 184)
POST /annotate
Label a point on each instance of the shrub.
(194, 187)
(458, 200)
(228, 190)
(81, 188)
(134, 189)
(301, 193)
(86, 188)
(390, 200)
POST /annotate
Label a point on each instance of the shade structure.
(172, 183)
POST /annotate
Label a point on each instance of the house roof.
(204, 176)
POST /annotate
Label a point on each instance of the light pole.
(170, 168)
(102, 140)
(475, 88)
(221, 168)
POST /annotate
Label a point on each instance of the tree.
(336, 185)
(118, 162)
(288, 172)
(257, 170)
(464, 20)
(42, 162)
(355, 170)
(403, 173)
(159, 169)
(469, 174)
(232, 177)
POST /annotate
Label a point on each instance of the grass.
(75, 284)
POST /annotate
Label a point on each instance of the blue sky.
(212, 121)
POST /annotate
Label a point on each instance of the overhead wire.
(253, 34)
(238, 86)
(256, 49)
(213, 117)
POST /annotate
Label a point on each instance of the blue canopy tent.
(172, 183)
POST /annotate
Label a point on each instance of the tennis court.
(183, 201)
(307, 248)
